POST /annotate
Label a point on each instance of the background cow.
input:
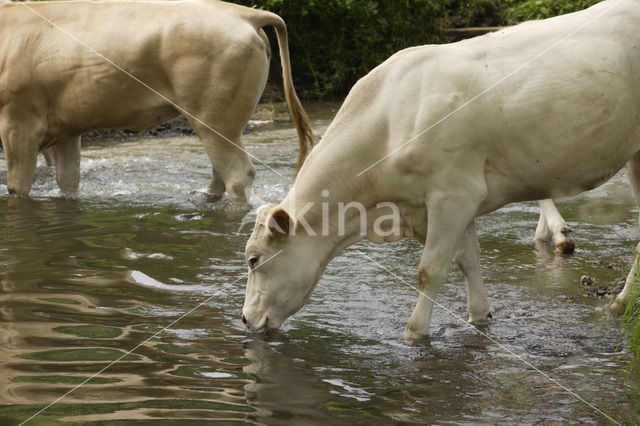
(71, 67)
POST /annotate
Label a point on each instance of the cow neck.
(317, 199)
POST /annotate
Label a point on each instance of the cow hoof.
(481, 320)
(566, 247)
(616, 308)
(414, 336)
(566, 244)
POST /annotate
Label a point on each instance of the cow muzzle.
(255, 323)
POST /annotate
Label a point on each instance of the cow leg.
(633, 171)
(20, 145)
(468, 259)
(552, 225)
(231, 169)
(48, 159)
(66, 155)
(448, 218)
(216, 185)
(226, 105)
(543, 233)
(619, 305)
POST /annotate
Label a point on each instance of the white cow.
(445, 134)
(71, 67)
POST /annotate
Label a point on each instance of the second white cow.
(447, 133)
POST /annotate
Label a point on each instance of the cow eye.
(253, 260)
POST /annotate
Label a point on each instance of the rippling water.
(85, 281)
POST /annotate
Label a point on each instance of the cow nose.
(244, 321)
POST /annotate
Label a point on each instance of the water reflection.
(84, 281)
(279, 372)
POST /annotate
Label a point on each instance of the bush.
(518, 10)
(335, 42)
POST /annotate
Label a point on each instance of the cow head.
(284, 267)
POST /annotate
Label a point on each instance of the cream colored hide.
(208, 59)
(538, 110)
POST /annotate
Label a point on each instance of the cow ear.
(280, 222)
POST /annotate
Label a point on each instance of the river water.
(84, 281)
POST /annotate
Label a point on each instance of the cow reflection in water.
(43, 287)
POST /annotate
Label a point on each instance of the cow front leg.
(66, 157)
(552, 225)
(468, 259)
(216, 185)
(448, 218)
(21, 151)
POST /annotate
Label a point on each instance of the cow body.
(451, 132)
(71, 67)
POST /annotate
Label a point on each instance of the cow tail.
(297, 113)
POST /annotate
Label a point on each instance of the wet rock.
(586, 281)
(609, 265)
(608, 291)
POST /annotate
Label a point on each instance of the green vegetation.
(335, 42)
(520, 11)
(631, 320)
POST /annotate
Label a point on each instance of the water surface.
(85, 281)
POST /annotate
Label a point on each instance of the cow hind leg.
(48, 158)
(633, 171)
(619, 305)
(20, 145)
(66, 154)
(468, 259)
(223, 111)
(552, 225)
(231, 169)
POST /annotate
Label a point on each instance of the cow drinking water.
(447, 133)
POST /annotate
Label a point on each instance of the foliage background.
(335, 42)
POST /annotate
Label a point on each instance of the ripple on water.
(84, 281)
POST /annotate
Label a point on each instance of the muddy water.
(84, 281)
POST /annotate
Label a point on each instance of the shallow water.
(85, 281)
